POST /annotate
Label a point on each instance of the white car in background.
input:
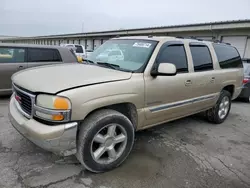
(88, 52)
(111, 55)
(78, 49)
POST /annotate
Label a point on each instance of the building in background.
(236, 32)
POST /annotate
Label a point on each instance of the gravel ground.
(186, 153)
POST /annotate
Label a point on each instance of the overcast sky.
(45, 17)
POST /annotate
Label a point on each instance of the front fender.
(87, 107)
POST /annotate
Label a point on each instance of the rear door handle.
(188, 83)
(212, 80)
(20, 67)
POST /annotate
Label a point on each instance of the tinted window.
(42, 55)
(201, 58)
(78, 49)
(12, 55)
(174, 54)
(228, 56)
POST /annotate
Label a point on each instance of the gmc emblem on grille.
(18, 98)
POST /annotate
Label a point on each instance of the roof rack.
(190, 37)
(198, 39)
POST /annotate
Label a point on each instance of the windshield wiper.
(88, 61)
(109, 65)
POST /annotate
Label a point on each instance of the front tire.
(105, 140)
(220, 111)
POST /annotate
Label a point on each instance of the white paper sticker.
(142, 45)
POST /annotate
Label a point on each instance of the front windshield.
(128, 54)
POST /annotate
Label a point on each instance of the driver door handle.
(20, 67)
(188, 83)
(212, 80)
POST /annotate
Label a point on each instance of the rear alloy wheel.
(224, 107)
(105, 140)
(220, 111)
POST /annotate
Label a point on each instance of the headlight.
(52, 108)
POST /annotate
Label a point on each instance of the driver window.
(174, 54)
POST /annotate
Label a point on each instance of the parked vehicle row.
(79, 50)
(93, 109)
(17, 57)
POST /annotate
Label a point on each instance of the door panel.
(12, 60)
(204, 78)
(6, 71)
(168, 97)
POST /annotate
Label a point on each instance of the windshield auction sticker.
(142, 44)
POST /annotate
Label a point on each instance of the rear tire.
(105, 140)
(220, 111)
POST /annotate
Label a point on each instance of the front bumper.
(59, 139)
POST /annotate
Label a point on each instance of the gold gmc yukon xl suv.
(93, 109)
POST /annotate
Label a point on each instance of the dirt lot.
(186, 153)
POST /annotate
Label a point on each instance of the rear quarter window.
(43, 55)
(79, 49)
(228, 56)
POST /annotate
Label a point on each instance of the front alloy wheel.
(105, 140)
(109, 144)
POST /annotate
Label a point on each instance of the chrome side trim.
(184, 102)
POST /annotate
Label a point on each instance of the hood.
(55, 78)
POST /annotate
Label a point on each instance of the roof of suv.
(161, 38)
(30, 45)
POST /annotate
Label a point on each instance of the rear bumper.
(237, 92)
(59, 139)
(245, 93)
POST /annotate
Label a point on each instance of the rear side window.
(174, 54)
(202, 60)
(12, 55)
(79, 49)
(43, 55)
(228, 56)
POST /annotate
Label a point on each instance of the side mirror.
(165, 69)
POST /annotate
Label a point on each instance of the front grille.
(24, 100)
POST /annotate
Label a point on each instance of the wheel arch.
(128, 109)
(230, 88)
